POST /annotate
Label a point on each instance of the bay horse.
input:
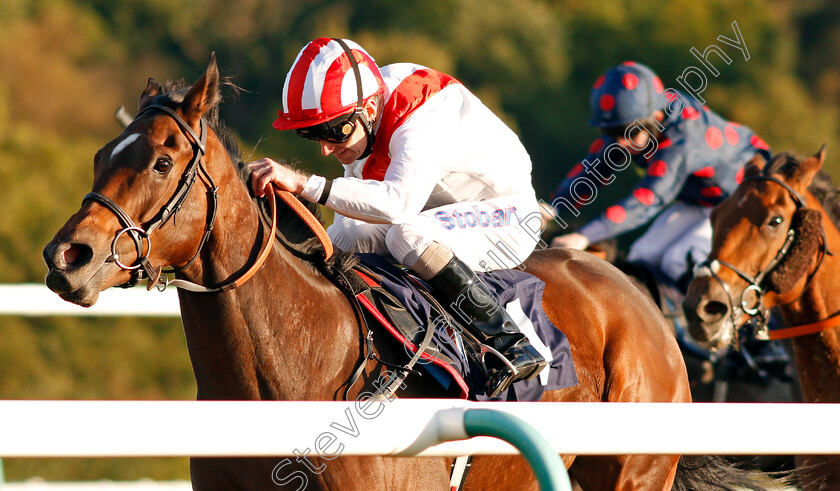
(286, 331)
(772, 247)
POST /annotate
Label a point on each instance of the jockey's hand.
(267, 171)
(571, 241)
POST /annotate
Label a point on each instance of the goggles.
(337, 130)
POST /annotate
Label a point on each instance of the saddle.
(384, 310)
(399, 304)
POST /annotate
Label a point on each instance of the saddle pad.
(521, 295)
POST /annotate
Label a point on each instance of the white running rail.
(401, 427)
(32, 300)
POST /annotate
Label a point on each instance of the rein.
(230, 285)
(309, 219)
(757, 312)
(804, 329)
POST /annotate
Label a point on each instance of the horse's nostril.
(715, 309)
(77, 255)
(71, 254)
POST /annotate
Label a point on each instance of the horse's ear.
(809, 167)
(203, 95)
(754, 166)
(151, 91)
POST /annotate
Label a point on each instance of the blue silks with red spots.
(699, 159)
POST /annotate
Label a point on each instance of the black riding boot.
(461, 292)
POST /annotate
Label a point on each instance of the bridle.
(139, 234)
(756, 310)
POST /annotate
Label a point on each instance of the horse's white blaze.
(126, 142)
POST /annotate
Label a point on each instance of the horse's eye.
(776, 221)
(163, 165)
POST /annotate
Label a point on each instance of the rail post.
(459, 424)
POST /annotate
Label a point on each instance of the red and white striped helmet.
(321, 84)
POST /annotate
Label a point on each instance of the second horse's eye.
(776, 221)
(163, 165)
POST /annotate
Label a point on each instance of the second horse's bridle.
(756, 309)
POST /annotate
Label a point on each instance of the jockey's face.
(636, 140)
(350, 150)
(636, 143)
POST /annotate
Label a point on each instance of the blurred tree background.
(65, 66)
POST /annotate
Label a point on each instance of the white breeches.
(488, 235)
(681, 233)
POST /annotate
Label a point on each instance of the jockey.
(692, 158)
(431, 177)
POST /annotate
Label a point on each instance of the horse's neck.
(817, 355)
(287, 333)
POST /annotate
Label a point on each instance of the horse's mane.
(292, 232)
(821, 186)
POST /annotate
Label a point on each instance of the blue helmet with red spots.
(625, 93)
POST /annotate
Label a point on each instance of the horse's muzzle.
(69, 271)
(706, 309)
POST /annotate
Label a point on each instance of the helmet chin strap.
(371, 137)
(360, 111)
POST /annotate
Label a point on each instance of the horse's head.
(140, 211)
(764, 242)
